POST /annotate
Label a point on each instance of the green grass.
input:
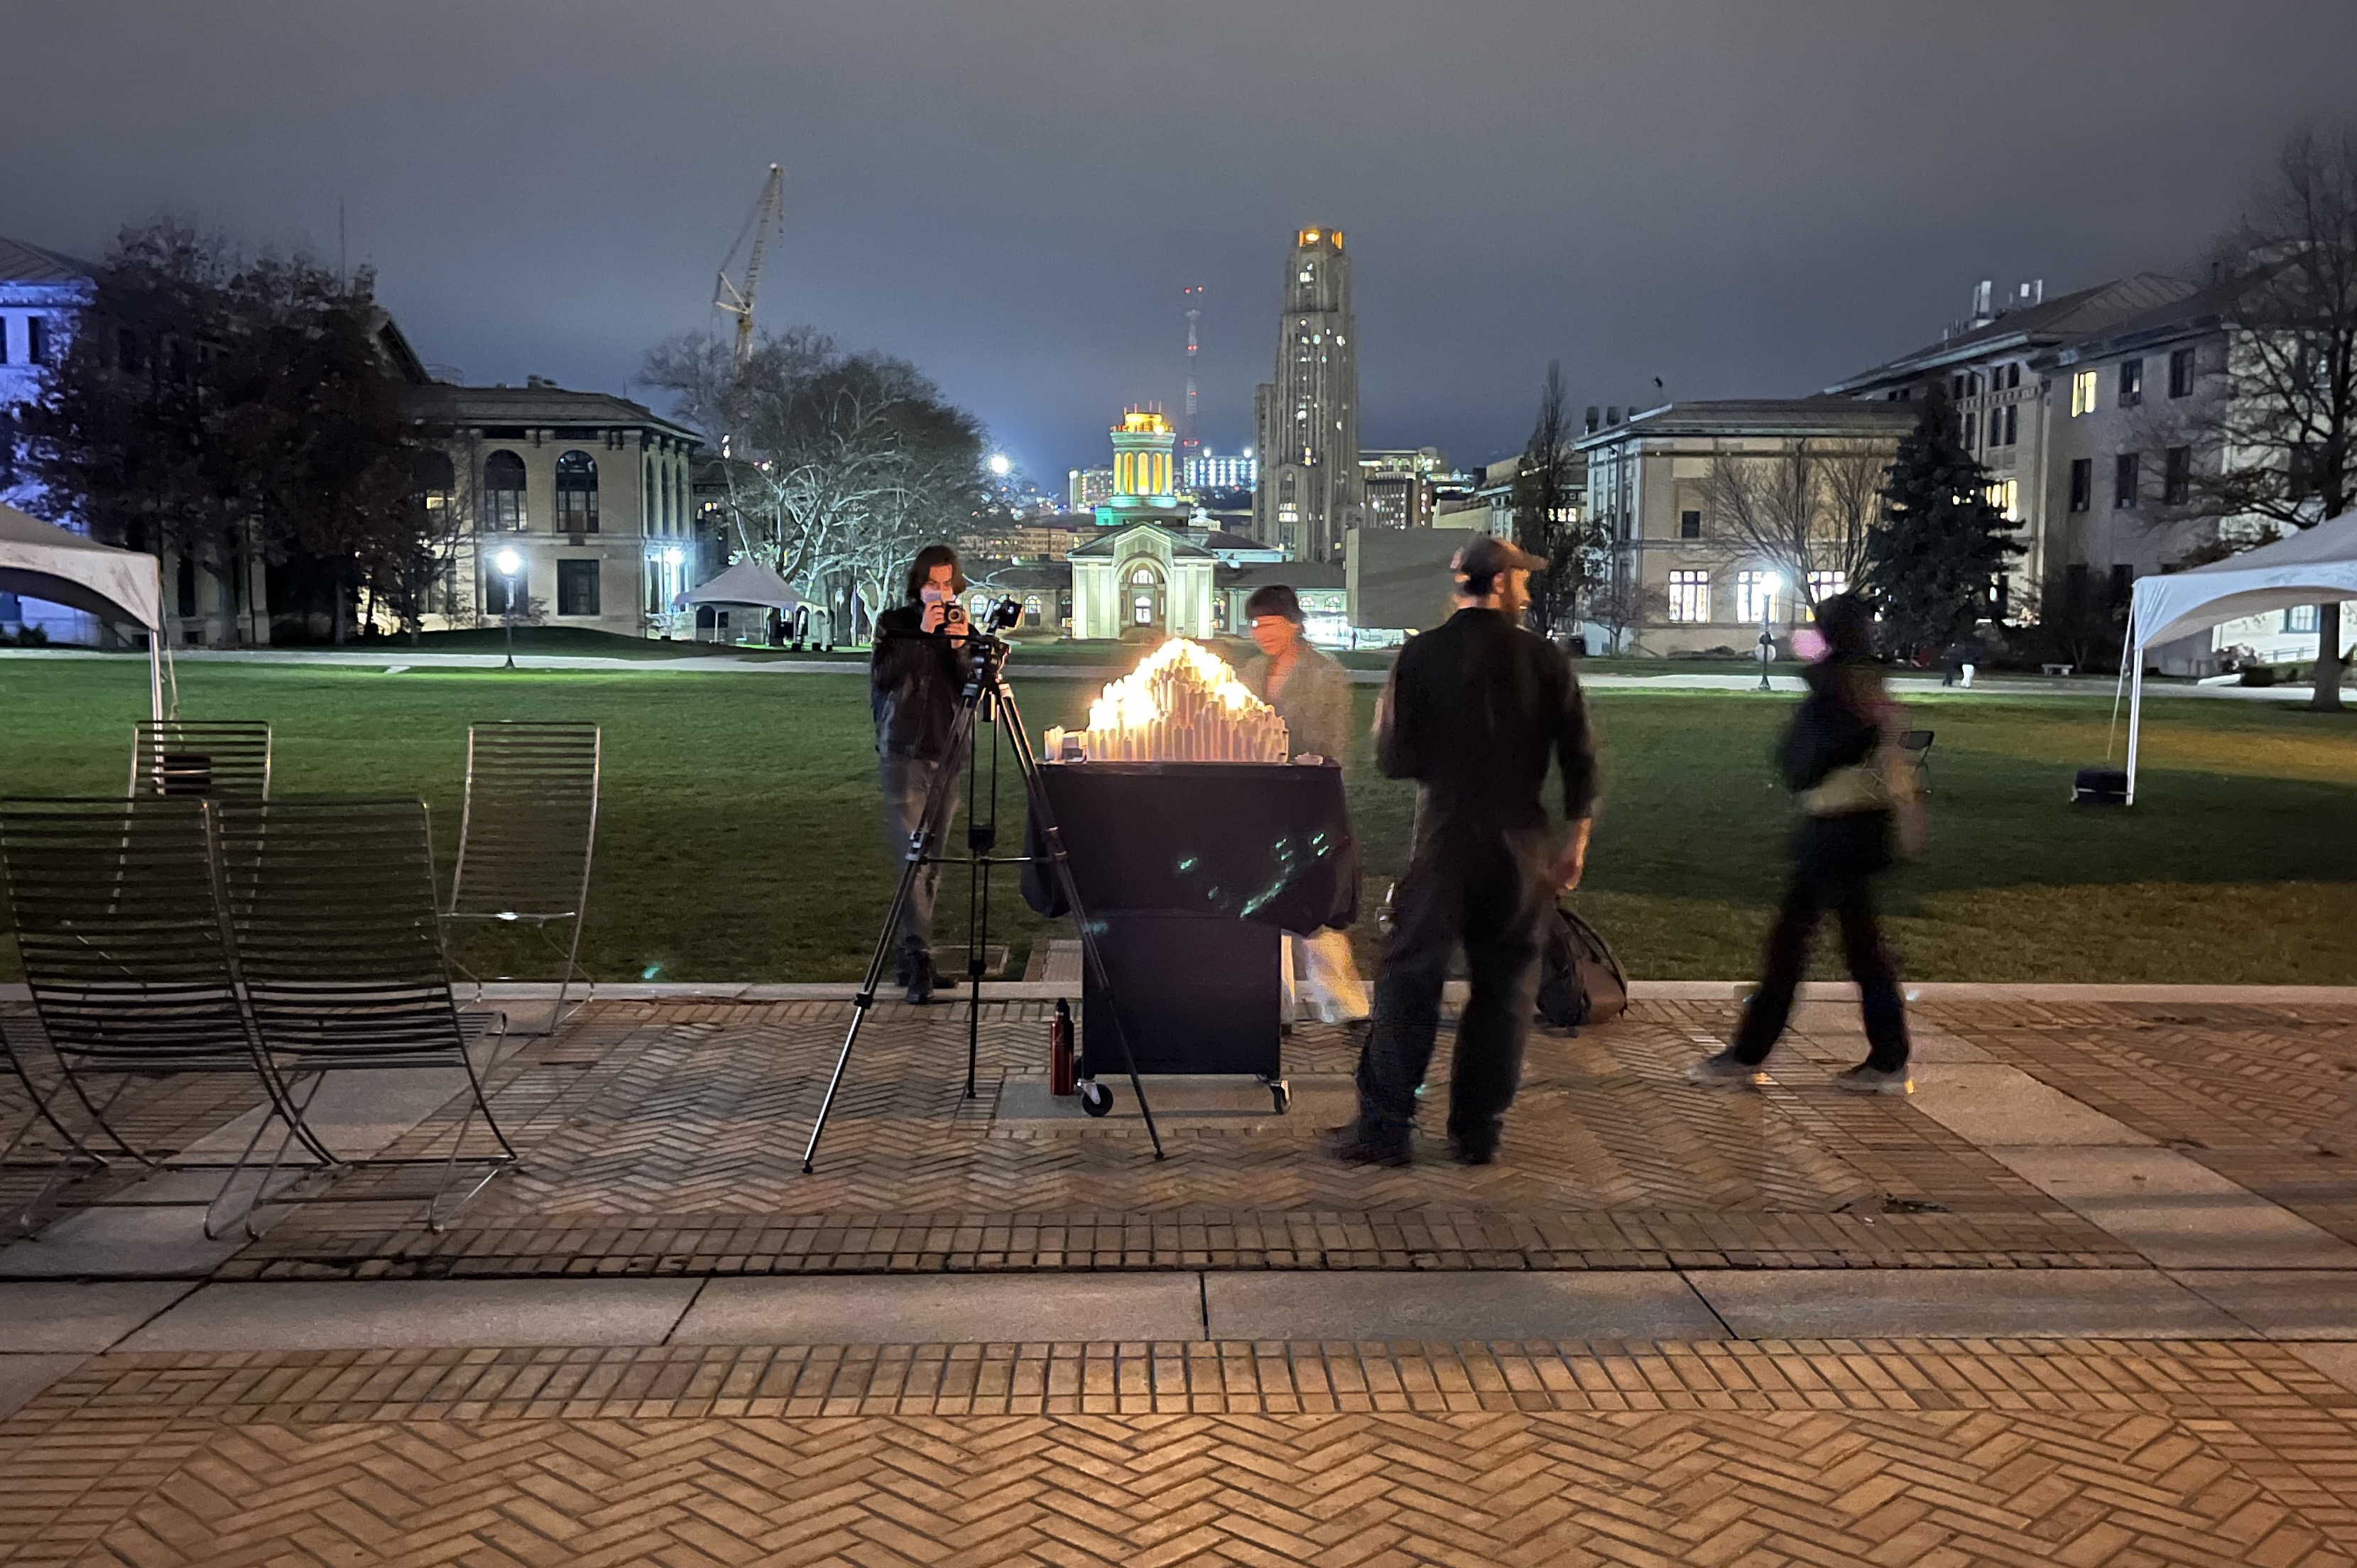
(739, 838)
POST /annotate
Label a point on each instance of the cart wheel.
(1095, 1098)
(1281, 1093)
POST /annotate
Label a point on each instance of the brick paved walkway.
(674, 1148)
(1871, 1454)
(664, 1140)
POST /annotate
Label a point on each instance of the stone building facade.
(1307, 417)
(592, 492)
(1698, 586)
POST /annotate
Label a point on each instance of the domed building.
(1141, 571)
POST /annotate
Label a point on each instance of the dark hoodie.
(1836, 726)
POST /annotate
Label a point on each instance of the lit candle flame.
(1182, 703)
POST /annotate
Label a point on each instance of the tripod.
(985, 698)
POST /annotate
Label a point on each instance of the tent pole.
(2135, 720)
(155, 674)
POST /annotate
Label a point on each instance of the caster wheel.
(1282, 1093)
(1095, 1098)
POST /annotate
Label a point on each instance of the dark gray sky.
(1741, 197)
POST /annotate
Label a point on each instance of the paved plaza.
(2090, 1298)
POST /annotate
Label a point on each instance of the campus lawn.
(739, 840)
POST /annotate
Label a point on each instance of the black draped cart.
(1193, 871)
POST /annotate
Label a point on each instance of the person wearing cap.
(1312, 692)
(1476, 711)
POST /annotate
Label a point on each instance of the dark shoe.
(1473, 1152)
(920, 985)
(1865, 1079)
(1353, 1145)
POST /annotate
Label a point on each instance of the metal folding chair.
(528, 832)
(1917, 744)
(217, 759)
(338, 934)
(120, 926)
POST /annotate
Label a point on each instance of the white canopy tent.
(746, 583)
(42, 561)
(2314, 567)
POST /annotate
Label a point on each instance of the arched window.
(1145, 596)
(502, 493)
(576, 493)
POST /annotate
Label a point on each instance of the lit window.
(502, 493)
(1689, 597)
(2083, 393)
(1755, 596)
(2005, 496)
(1824, 585)
(576, 493)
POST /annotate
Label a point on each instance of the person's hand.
(935, 614)
(1572, 864)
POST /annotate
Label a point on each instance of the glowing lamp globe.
(509, 562)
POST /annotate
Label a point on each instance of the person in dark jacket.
(1843, 759)
(1477, 711)
(914, 678)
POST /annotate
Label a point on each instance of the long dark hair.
(1846, 623)
(921, 569)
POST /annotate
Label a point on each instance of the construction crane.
(736, 299)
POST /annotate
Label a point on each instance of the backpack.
(1579, 980)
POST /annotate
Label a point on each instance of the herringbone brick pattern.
(1810, 1476)
(665, 1138)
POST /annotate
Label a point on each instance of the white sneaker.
(1723, 1072)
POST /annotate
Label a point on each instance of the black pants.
(1848, 892)
(1489, 893)
(906, 782)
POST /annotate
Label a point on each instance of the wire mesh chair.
(337, 933)
(120, 924)
(529, 833)
(219, 760)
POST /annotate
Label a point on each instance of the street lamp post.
(1769, 587)
(510, 562)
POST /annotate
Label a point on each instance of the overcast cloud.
(1743, 199)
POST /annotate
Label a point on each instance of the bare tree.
(1618, 601)
(839, 466)
(1546, 509)
(1805, 510)
(2278, 439)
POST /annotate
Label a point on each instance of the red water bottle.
(1061, 1066)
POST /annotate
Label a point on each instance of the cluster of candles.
(1182, 703)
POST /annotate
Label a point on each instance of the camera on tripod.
(1000, 615)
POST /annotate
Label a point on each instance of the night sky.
(1749, 198)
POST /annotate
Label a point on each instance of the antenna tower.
(1190, 444)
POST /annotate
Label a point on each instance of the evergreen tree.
(1934, 554)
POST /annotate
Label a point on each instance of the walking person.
(1476, 711)
(1860, 804)
(913, 680)
(1312, 692)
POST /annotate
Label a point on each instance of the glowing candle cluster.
(1182, 703)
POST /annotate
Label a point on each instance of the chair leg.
(288, 1105)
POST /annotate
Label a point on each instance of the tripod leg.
(920, 845)
(1093, 965)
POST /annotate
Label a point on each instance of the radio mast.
(1190, 444)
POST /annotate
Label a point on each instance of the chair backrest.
(530, 821)
(337, 930)
(1916, 741)
(219, 760)
(122, 925)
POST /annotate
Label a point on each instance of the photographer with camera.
(914, 678)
